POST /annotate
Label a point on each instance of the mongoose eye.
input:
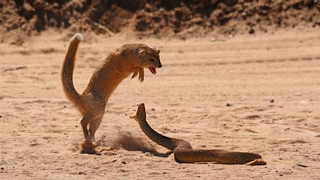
(152, 60)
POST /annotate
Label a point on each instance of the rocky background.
(158, 17)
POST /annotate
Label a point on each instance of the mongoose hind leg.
(94, 125)
(84, 125)
(92, 121)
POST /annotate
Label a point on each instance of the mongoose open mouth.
(153, 70)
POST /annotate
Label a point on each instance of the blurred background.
(158, 18)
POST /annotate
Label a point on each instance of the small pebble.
(229, 104)
(213, 39)
(302, 165)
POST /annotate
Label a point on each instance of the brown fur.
(130, 58)
(184, 153)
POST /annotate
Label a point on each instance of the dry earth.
(271, 82)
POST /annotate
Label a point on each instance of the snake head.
(140, 114)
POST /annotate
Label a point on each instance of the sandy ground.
(271, 81)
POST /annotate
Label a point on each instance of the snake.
(184, 153)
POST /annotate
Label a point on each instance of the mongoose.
(130, 58)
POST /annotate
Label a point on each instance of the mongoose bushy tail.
(67, 71)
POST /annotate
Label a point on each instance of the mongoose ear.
(158, 51)
(141, 51)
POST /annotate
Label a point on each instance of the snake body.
(184, 153)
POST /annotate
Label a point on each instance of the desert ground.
(251, 93)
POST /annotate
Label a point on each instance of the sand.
(255, 93)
